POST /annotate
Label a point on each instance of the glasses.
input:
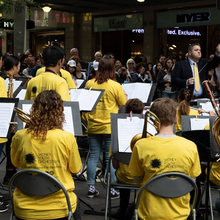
(130, 63)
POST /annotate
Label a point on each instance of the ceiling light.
(174, 45)
(141, 0)
(46, 9)
(0, 14)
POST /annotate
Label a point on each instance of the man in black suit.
(185, 72)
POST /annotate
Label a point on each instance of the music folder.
(142, 91)
(87, 98)
(72, 116)
(20, 92)
(7, 115)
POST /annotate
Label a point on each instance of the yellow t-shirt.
(155, 155)
(57, 155)
(99, 121)
(47, 81)
(3, 94)
(215, 173)
(65, 74)
(178, 125)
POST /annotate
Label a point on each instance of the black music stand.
(202, 140)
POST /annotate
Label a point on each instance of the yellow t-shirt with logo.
(99, 121)
(3, 94)
(47, 81)
(65, 74)
(57, 155)
(178, 125)
(155, 155)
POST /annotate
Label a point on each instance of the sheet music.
(21, 94)
(79, 82)
(127, 129)
(86, 98)
(26, 108)
(198, 123)
(137, 90)
(16, 83)
(6, 111)
(207, 106)
(68, 125)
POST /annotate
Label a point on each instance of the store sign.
(183, 33)
(193, 17)
(118, 23)
(9, 24)
(139, 31)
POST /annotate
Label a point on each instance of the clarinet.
(210, 95)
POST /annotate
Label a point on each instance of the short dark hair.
(51, 55)
(165, 110)
(0, 53)
(134, 105)
(139, 65)
(190, 47)
(11, 61)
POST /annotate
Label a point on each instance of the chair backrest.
(37, 183)
(169, 185)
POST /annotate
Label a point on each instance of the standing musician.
(49, 80)
(62, 72)
(12, 67)
(159, 154)
(45, 146)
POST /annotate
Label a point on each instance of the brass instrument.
(10, 85)
(216, 125)
(24, 116)
(150, 118)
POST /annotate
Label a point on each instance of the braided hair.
(184, 98)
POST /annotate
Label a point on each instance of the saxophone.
(10, 85)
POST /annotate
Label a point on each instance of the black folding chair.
(169, 185)
(37, 183)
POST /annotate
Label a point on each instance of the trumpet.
(150, 118)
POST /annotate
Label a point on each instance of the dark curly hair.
(46, 114)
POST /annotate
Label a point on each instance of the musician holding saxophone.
(162, 153)
(44, 145)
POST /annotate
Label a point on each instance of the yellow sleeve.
(41, 70)
(66, 75)
(75, 163)
(28, 92)
(63, 91)
(135, 166)
(3, 92)
(15, 151)
(196, 168)
(121, 98)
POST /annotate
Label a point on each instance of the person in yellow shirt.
(184, 99)
(99, 121)
(44, 145)
(49, 80)
(159, 154)
(122, 173)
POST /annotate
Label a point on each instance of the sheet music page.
(79, 82)
(198, 123)
(127, 129)
(207, 106)
(6, 111)
(16, 83)
(68, 125)
(26, 108)
(86, 98)
(21, 94)
(138, 90)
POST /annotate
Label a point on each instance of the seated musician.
(122, 174)
(184, 99)
(163, 153)
(45, 146)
